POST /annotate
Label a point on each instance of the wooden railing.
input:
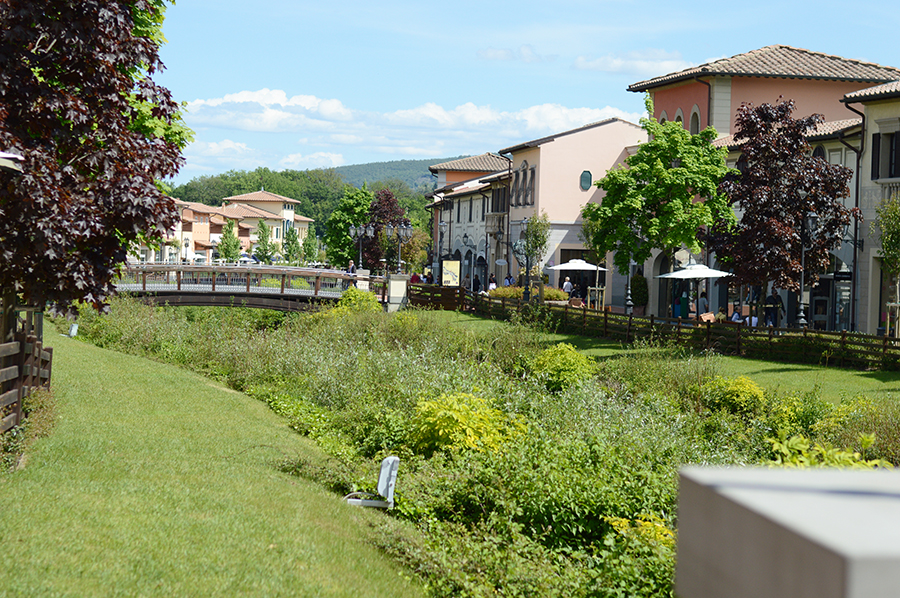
(793, 345)
(287, 282)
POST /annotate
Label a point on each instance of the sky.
(295, 84)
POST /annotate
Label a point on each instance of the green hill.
(414, 173)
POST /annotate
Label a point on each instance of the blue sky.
(299, 84)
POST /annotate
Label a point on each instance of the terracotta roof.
(821, 132)
(884, 91)
(260, 196)
(486, 162)
(781, 61)
(299, 218)
(242, 210)
(549, 138)
(200, 208)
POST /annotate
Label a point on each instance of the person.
(567, 287)
(721, 316)
(509, 280)
(465, 282)
(492, 282)
(351, 268)
(773, 306)
(736, 314)
(415, 279)
(476, 285)
(702, 304)
(429, 278)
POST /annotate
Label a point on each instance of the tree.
(292, 250)
(265, 249)
(310, 246)
(783, 182)
(78, 102)
(383, 211)
(537, 238)
(887, 227)
(652, 202)
(229, 245)
(353, 209)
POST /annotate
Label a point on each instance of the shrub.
(798, 451)
(460, 420)
(640, 295)
(354, 300)
(561, 366)
(550, 293)
(740, 396)
(852, 419)
(796, 413)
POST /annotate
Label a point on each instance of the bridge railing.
(268, 280)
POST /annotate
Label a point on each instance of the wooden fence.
(25, 366)
(792, 345)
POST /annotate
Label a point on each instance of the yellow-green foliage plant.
(797, 451)
(354, 301)
(460, 421)
(740, 396)
(561, 366)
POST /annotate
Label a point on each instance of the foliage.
(640, 293)
(310, 246)
(353, 210)
(887, 227)
(413, 173)
(798, 451)
(651, 203)
(561, 366)
(292, 250)
(229, 245)
(537, 237)
(265, 248)
(460, 421)
(76, 87)
(514, 292)
(740, 396)
(384, 210)
(354, 300)
(860, 416)
(39, 411)
(783, 182)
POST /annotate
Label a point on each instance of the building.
(710, 95)
(277, 211)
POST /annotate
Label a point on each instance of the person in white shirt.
(567, 287)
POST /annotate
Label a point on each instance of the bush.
(797, 451)
(739, 396)
(561, 366)
(460, 420)
(354, 300)
(550, 293)
(860, 417)
(640, 294)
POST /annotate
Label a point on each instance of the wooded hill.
(319, 191)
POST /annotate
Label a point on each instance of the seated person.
(736, 314)
(721, 316)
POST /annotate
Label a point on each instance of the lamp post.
(522, 248)
(404, 233)
(810, 223)
(443, 227)
(358, 233)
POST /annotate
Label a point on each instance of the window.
(529, 192)
(459, 211)
(586, 180)
(483, 206)
(819, 152)
(886, 149)
(695, 123)
(471, 201)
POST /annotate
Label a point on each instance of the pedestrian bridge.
(281, 288)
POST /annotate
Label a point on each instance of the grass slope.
(157, 482)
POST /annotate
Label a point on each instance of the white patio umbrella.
(695, 271)
(578, 265)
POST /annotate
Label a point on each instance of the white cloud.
(524, 53)
(226, 147)
(649, 62)
(315, 160)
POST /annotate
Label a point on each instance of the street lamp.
(358, 233)
(521, 248)
(443, 227)
(807, 230)
(404, 233)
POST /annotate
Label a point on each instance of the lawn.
(833, 384)
(158, 482)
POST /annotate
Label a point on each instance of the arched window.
(695, 123)
(742, 164)
(663, 117)
(819, 152)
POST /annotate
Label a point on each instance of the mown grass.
(158, 482)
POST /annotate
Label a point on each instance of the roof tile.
(781, 61)
(486, 162)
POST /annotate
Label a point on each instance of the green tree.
(229, 245)
(887, 227)
(537, 238)
(292, 250)
(353, 209)
(651, 203)
(265, 249)
(310, 246)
